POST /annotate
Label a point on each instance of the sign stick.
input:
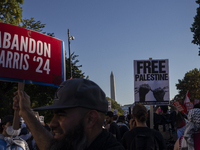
(16, 120)
(151, 112)
(151, 116)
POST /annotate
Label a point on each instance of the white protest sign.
(151, 82)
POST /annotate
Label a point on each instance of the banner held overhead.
(30, 57)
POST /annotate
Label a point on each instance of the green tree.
(191, 83)
(196, 27)
(31, 24)
(76, 72)
(115, 105)
(11, 11)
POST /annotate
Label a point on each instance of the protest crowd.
(81, 121)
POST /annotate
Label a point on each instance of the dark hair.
(121, 119)
(164, 108)
(179, 118)
(109, 113)
(115, 117)
(1, 128)
(140, 113)
(8, 118)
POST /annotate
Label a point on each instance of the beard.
(75, 139)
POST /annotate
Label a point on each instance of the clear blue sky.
(110, 34)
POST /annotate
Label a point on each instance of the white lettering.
(47, 50)
(2, 58)
(8, 59)
(40, 60)
(6, 40)
(24, 44)
(39, 47)
(21, 61)
(31, 48)
(25, 67)
(46, 66)
(15, 60)
(15, 42)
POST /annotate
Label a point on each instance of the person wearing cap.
(79, 109)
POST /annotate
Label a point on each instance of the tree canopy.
(196, 27)
(115, 105)
(191, 83)
(11, 11)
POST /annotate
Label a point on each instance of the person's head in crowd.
(115, 118)
(121, 119)
(197, 105)
(180, 121)
(140, 113)
(129, 116)
(109, 117)
(79, 109)
(5, 124)
(164, 109)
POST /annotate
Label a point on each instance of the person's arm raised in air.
(21, 102)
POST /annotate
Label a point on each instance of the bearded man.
(79, 109)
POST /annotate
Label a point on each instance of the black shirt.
(128, 137)
(105, 141)
(114, 129)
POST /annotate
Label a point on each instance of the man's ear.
(147, 115)
(3, 126)
(91, 118)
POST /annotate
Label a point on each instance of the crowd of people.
(81, 121)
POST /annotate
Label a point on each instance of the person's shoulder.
(156, 132)
(2, 144)
(157, 135)
(105, 141)
(129, 133)
(110, 142)
(113, 124)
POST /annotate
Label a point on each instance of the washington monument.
(112, 86)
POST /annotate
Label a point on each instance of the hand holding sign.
(21, 102)
(16, 120)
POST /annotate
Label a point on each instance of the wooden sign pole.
(16, 120)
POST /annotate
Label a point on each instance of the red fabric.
(187, 98)
(182, 124)
(196, 141)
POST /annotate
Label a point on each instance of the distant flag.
(187, 98)
(187, 104)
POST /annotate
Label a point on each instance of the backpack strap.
(135, 133)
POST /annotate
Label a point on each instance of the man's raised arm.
(21, 102)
